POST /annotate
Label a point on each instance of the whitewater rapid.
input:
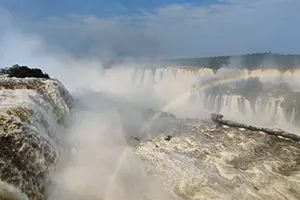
(200, 160)
(116, 140)
(31, 113)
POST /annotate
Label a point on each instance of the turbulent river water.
(137, 133)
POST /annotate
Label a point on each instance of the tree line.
(282, 62)
(23, 72)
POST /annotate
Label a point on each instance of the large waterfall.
(172, 89)
(101, 150)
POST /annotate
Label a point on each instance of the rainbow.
(259, 74)
(113, 175)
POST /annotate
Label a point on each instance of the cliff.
(31, 112)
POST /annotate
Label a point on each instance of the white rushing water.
(199, 162)
(170, 89)
(96, 162)
(31, 111)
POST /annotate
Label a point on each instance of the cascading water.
(171, 87)
(31, 113)
(191, 160)
(199, 161)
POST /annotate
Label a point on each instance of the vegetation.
(23, 72)
(247, 61)
(252, 88)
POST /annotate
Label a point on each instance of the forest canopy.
(282, 62)
(23, 72)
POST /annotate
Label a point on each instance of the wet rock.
(256, 188)
(168, 138)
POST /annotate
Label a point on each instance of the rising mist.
(96, 161)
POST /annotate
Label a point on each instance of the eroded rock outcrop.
(31, 112)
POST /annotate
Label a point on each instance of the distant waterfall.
(171, 88)
(235, 106)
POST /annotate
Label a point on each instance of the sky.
(156, 28)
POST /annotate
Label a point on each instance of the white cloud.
(179, 30)
(232, 28)
(92, 36)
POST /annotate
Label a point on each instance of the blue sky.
(155, 28)
(101, 8)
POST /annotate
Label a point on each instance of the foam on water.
(199, 162)
(206, 162)
(8, 191)
(31, 112)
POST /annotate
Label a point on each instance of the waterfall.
(32, 112)
(171, 86)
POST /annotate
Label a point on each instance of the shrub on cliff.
(23, 72)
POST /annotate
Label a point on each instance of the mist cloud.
(76, 48)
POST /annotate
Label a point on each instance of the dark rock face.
(216, 116)
(30, 113)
